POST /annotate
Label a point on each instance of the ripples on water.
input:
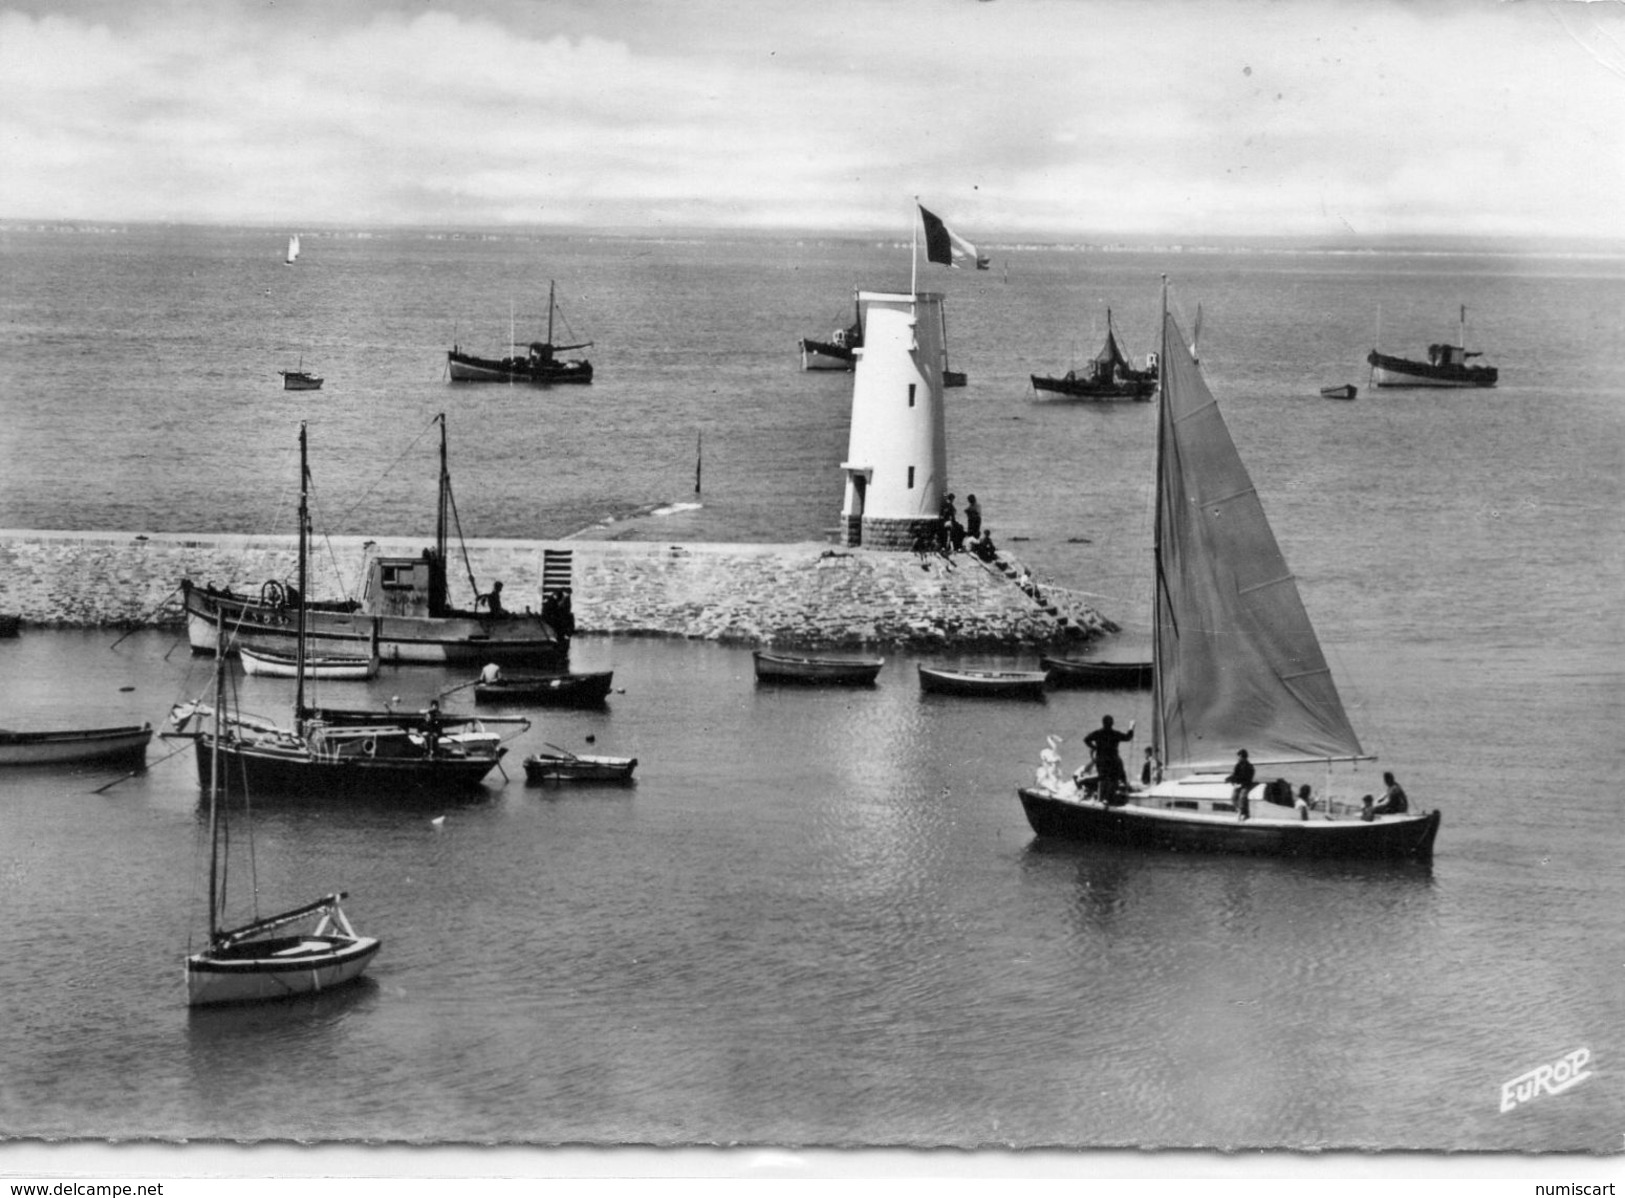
(819, 917)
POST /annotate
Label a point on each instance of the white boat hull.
(1383, 377)
(312, 964)
(266, 664)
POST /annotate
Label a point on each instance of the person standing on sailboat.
(1103, 742)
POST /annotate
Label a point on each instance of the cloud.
(1052, 116)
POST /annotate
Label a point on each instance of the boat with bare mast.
(538, 365)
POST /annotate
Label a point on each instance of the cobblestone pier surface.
(808, 595)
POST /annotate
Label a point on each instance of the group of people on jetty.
(950, 536)
(1106, 778)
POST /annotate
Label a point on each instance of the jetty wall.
(807, 595)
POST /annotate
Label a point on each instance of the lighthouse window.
(911, 469)
(911, 400)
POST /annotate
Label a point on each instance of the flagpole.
(914, 253)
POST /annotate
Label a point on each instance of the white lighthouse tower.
(897, 458)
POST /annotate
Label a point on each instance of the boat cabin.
(1448, 355)
(405, 586)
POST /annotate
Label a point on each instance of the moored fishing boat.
(335, 754)
(992, 684)
(829, 671)
(403, 606)
(124, 744)
(571, 689)
(1098, 673)
(300, 380)
(1446, 366)
(539, 365)
(1108, 376)
(1237, 667)
(558, 765)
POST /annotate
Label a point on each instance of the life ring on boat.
(370, 747)
(273, 593)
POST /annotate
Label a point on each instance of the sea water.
(819, 917)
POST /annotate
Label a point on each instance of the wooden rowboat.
(127, 743)
(552, 690)
(557, 765)
(273, 663)
(1068, 671)
(1000, 684)
(1346, 391)
(826, 671)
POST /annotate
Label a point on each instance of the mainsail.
(293, 248)
(1238, 665)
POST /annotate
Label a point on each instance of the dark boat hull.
(1066, 671)
(1140, 390)
(466, 368)
(1347, 391)
(823, 355)
(817, 671)
(549, 690)
(988, 684)
(296, 380)
(1388, 371)
(294, 770)
(1397, 838)
(550, 767)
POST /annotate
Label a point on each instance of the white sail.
(293, 248)
(1237, 661)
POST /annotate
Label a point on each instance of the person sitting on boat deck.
(1303, 802)
(431, 727)
(491, 673)
(1393, 801)
(1241, 781)
(1103, 742)
(1367, 811)
(492, 599)
(973, 517)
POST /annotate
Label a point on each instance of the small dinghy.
(559, 765)
(994, 684)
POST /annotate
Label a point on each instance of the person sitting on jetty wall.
(1103, 742)
(1393, 801)
(1241, 781)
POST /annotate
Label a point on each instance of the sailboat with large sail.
(1237, 666)
(293, 250)
(329, 752)
(403, 608)
(538, 365)
(267, 958)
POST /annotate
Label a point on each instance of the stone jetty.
(807, 595)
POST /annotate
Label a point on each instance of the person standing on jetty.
(973, 517)
(948, 514)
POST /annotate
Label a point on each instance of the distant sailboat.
(293, 249)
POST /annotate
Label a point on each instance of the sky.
(1013, 119)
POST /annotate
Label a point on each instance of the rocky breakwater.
(804, 595)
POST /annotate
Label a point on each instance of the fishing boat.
(1345, 391)
(403, 606)
(301, 951)
(539, 365)
(126, 745)
(585, 689)
(824, 671)
(293, 250)
(1097, 673)
(1109, 376)
(1447, 366)
(1237, 666)
(559, 765)
(837, 351)
(300, 379)
(992, 684)
(335, 754)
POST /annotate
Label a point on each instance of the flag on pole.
(944, 246)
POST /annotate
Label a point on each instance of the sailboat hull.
(388, 763)
(1391, 837)
(465, 368)
(260, 970)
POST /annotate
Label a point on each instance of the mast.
(299, 645)
(214, 778)
(1157, 731)
(445, 490)
(1464, 333)
(550, 314)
